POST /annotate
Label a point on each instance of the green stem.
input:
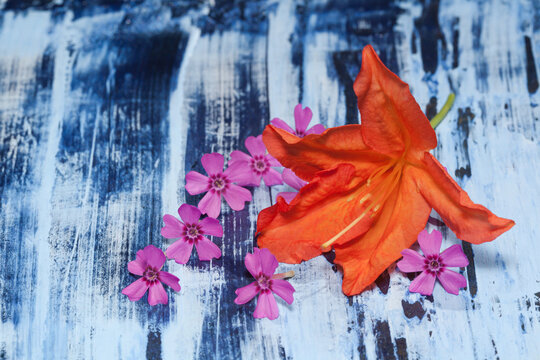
(437, 119)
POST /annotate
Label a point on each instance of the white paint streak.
(173, 187)
(40, 328)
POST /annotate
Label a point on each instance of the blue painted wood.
(104, 108)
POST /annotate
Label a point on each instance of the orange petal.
(322, 209)
(402, 217)
(469, 221)
(391, 117)
(313, 153)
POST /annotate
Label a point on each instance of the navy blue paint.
(340, 60)
(21, 175)
(153, 347)
(413, 310)
(464, 118)
(383, 282)
(532, 76)
(455, 43)
(401, 349)
(430, 33)
(248, 107)
(385, 347)
(378, 20)
(362, 346)
(129, 89)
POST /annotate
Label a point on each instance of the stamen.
(285, 275)
(393, 179)
(326, 245)
(364, 198)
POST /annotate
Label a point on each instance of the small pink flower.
(257, 166)
(217, 183)
(262, 265)
(434, 265)
(148, 264)
(191, 232)
(302, 118)
(290, 178)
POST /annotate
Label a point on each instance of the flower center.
(433, 264)
(218, 182)
(192, 231)
(300, 134)
(150, 274)
(259, 164)
(264, 282)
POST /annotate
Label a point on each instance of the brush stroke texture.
(105, 108)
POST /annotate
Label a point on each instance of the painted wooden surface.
(104, 108)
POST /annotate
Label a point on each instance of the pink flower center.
(193, 231)
(150, 274)
(300, 134)
(218, 182)
(433, 264)
(259, 164)
(264, 282)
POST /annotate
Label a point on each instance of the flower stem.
(437, 119)
(288, 274)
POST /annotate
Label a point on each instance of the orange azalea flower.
(371, 186)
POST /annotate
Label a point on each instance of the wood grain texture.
(105, 108)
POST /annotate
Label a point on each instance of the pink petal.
(189, 214)
(246, 293)
(268, 261)
(266, 306)
(211, 226)
(253, 263)
(154, 257)
(239, 156)
(157, 294)
(206, 249)
(196, 183)
(302, 118)
(411, 262)
(180, 251)
(288, 196)
(272, 177)
(169, 280)
(141, 258)
(423, 283)
(316, 129)
(211, 204)
(135, 290)
(454, 256)
(272, 161)
(173, 228)
(451, 281)
(290, 178)
(242, 173)
(213, 163)
(283, 289)
(430, 243)
(255, 145)
(136, 267)
(236, 196)
(277, 122)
